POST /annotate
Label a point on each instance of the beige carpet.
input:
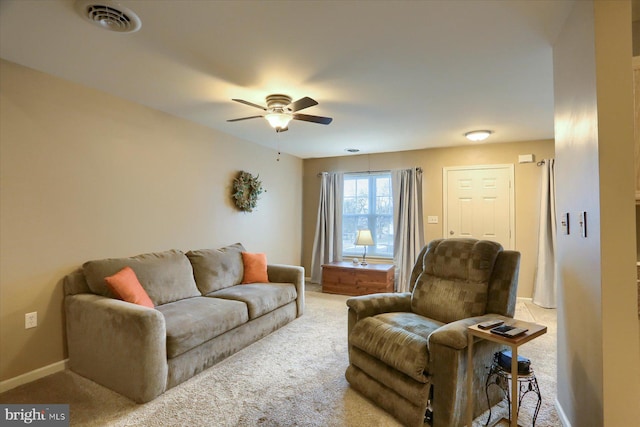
(293, 377)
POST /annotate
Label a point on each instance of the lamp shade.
(364, 238)
(278, 120)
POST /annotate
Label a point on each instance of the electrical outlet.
(31, 320)
(432, 219)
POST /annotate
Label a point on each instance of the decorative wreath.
(246, 189)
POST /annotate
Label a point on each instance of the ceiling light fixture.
(280, 111)
(278, 120)
(478, 135)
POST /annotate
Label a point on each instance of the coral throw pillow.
(126, 286)
(255, 268)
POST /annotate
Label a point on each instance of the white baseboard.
(561, 415)
(33, 375)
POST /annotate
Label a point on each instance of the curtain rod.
(419, 169)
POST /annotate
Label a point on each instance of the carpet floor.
(293, 377)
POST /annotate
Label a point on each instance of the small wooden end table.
(534, 330)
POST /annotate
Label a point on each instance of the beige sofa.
(202, 315)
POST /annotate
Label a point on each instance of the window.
(367, 204)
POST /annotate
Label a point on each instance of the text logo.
(34, 415)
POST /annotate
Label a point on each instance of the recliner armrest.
(370, 305)
(454, 334)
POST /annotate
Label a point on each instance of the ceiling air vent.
(109, 15)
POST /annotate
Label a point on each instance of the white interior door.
(479, 203)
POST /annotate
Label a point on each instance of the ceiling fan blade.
(244, 118)
(301, 104)
(314, 119)
(251, 104)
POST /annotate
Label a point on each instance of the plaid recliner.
(403, 344)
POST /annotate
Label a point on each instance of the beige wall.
(638, 232)
(598, 347)
(527, 180)
(85, 175)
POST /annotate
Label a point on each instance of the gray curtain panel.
(408, 223)
(544, 287)
(327, 245)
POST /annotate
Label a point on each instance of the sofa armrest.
(117, 344)
(370, 305)
(454, 334)
(75, 283)
(280, 273)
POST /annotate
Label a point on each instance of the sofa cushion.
(462, 259)
(126, 286)
(255, 268)
(193, 321)
(411, 322)
(261, 298)
(216, 269)
(448, 300)
(455, 279)
(396, 347)
(166, 276)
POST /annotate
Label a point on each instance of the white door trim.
(512, 210)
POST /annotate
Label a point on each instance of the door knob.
(451, 232)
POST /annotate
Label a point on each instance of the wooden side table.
(534, 330)
(347, 278)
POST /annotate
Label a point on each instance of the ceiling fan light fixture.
(278, 120)
(478, 135)
(280, 111)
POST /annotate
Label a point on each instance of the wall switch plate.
(31, 320)
(432, 219)
(564, 223)
(582, 222)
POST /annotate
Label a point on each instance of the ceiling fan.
(280, 111)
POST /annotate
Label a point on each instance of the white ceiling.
(394, 75)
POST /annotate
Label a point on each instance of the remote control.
(488, 324)
(508, 331)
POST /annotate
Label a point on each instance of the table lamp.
(364, 238)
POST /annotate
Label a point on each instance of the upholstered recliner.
(403, 344)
